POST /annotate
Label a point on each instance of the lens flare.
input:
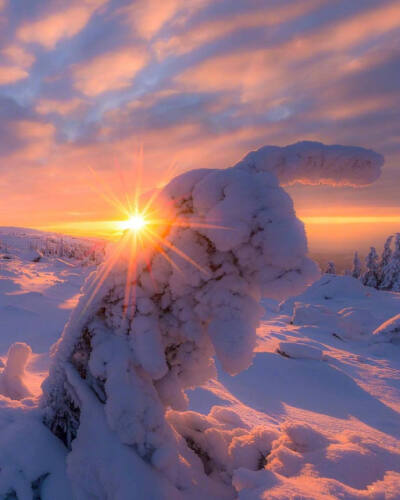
(135, 223)
(148, 223)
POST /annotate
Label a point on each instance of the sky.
(91, 90)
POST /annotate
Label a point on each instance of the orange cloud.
(46, 106)
(110, 71)
(11, 74)
(54, 27)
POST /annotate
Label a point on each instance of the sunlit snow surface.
(325, 388)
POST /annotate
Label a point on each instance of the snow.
(310, 162)
(12, 382)
(203, 385)
(299, 350)
(35, 301)
(321, 423)
(389, 331)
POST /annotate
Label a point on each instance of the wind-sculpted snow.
(149, 329)
(315, 163)
(11, 377)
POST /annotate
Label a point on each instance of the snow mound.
(316, 163)
(310, 314)
(299, 350)
(356, 322)
(389, 331)
(223, 442)
(350, 322)
(348, 467)
(12, 382)
(32, 460)
(330, 290)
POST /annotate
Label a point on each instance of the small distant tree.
(371, 276)
(391, 272)
(331, 269)
(385, 259)
(356, 271)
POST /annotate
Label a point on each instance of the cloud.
(205, 31)
(16, 62)
(11, 74)
(18, 55)
(147, 17)
(61, 107)
(50, 29)
(109, 71)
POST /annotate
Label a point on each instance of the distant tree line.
(382, 273)
(71, 249)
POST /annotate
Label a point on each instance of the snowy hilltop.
(179, 374)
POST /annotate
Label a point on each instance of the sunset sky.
(85, 85)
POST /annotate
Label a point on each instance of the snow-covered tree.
(371, 276)
(150, 321)
(385, 258)
(331, 268)
(356, 271)
(391, 271)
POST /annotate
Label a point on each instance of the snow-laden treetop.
(150, 323)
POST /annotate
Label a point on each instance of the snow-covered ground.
(36, 298)
(321, 399)
(330, 386)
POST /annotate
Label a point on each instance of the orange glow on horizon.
(350, 219)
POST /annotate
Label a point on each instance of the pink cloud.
(18, 61)
(266, 70)
(36, 141)
(209, 30)
(18, 55)
(52, 28)
(109, 71)
(46, 106)
(147, 17)
(11, 74)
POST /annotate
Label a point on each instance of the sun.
(135, 223)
